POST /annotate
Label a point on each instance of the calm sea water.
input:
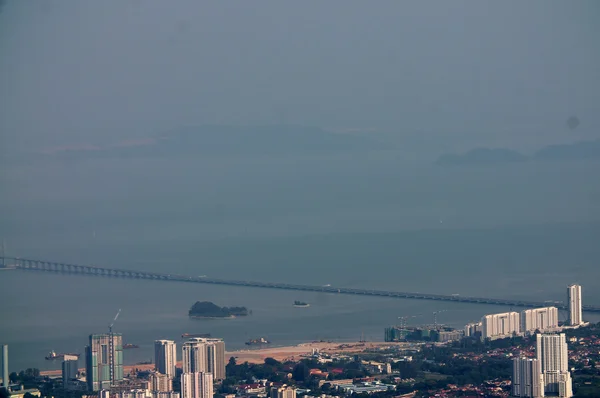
(45, 311)
(359, 220)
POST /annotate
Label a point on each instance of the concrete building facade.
(500, 326)
(283, 392)
(575, 306)
(4, 366)
(197, 385)
(70, 367)
(527, 379)
(540, 319)
(204, 355)
(552, 353)
(98, 360)
(160, 382)
(165, 357)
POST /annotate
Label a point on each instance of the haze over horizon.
(492, 74)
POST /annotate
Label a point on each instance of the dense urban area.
(527, 354)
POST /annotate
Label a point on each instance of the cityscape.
(534, 352)
(299, 199)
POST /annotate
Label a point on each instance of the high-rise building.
(540, 319)
(500, 326)
(4, 363)
(194, 356)
(70, 367)
(527, 379)
(215, 356)
(575, 309)
(283, 392)
(473, 329)
(98, 359)
(197, 385)
(165, 357)
(160, 382)
(204, 355)
(552, 353)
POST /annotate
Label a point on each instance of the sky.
(89, 72)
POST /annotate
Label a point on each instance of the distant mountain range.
(229, 140)
(563, 152)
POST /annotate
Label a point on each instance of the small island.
(206, 309)
(301, 304)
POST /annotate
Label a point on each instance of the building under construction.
(104, 360)
(434, 333)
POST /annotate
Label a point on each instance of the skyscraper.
(4, 363)
(194, 356)
(98, 359)
(197, 385)
(527, 379)
(552, 353)
(575, 311)
(542, 319)
(215, 356)
(499, 326)
(165, 357)
(204, 355)
(70, 367)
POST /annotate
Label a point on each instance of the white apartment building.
(500, 326)
(197, 385)
(575, 306)
(204, 355)
(552, 353)
(541, 319)
(165, 357)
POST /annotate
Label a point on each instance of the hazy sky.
(84, 71)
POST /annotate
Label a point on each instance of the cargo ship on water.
(191, 335)
(53, 355)
(261, 340)
(129, 346)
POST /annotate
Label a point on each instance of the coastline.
(282, 354)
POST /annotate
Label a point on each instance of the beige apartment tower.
(575, 307)
(197, 385)
(165, 357)
(527, 379)
(204, 355)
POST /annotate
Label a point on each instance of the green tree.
(300, 372)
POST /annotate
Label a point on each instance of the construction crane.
(403, 320)
(435, 314)
(111, 348)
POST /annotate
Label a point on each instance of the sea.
(518, 232)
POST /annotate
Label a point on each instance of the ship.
(301, 304)
(53, 355)
(261, 340)
(201, 335)
(128, 346)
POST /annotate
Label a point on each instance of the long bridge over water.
(63, 268)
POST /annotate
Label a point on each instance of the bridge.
(63, 268)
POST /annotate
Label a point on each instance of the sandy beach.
(288, 353)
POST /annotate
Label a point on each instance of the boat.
(53, 355)
(261, 340)
(301, 304)
(201, 335)
(128, 346)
